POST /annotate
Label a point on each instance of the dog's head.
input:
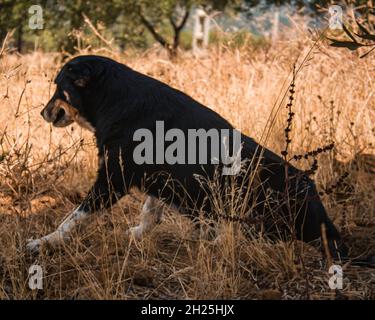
(74, 84)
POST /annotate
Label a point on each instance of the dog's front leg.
(78, 216)
(108, 188)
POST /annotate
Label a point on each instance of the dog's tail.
(332, 243)
(339, 252)
(368, 262)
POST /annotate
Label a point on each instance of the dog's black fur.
(115, 101)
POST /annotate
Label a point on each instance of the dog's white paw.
(34, 246)
(136, 232)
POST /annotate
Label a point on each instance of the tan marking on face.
(72, 114)
(67, 96)
(50, 111)
(80, 82)
(84, 123)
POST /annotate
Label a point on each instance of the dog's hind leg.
(151, 215)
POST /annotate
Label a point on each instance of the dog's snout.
(58, 112)
(42, 113)
(48, 112)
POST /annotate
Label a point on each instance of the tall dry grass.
(45, 172)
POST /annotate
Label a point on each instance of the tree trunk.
(20, 38)
(172, 49)
(276, 19)
(177, 28)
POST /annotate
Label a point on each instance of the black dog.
(115, 101)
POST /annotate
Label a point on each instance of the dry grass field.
(45, 172)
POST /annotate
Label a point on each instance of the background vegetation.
(132, 23)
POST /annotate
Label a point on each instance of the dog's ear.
(80, 74)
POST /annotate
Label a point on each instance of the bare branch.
(5, 42)
(96, 32)
(179, 27)
(184, 20)
(151, 28)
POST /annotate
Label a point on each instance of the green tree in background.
(165, 19)
(13, 15)
(129, 22)
(60, 18)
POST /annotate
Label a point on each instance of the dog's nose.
(48, 113)
(43, 113)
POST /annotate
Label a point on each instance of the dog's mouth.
(60, 115)
(62, 119)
